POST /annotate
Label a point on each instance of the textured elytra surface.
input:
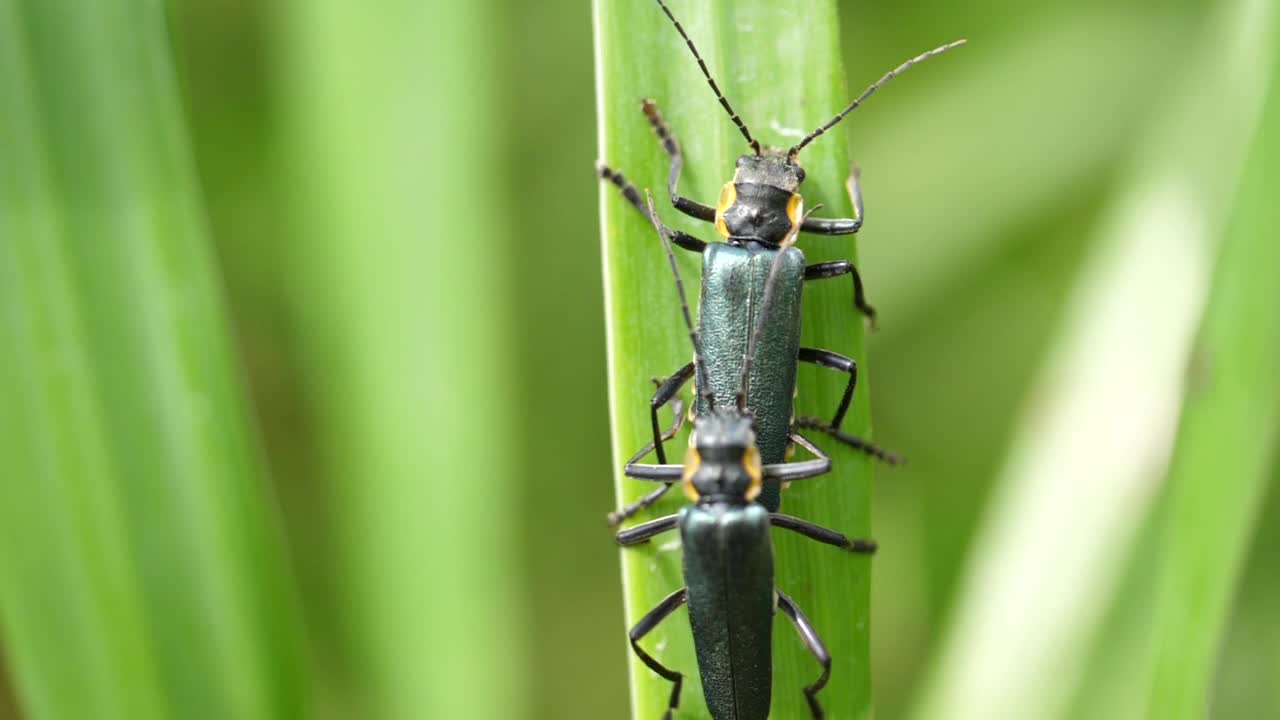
(733, 287)
(728, 564)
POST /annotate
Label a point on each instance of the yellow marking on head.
(795, 213)
(728, 196)
(751, 463)
(691, 462)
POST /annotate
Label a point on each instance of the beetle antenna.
(699, 364)
(791, 154)
(755, 144)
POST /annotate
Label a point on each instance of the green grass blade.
(140, 569)
(1250, 658)
(781, 70)
(401, 302)
(1227, 437)
(1085, 471)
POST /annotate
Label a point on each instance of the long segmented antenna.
(699, 364)
(791, 154)
(755, 144)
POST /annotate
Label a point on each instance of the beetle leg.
(642, 628)
(857, 443)
(689, 207)
(643, 532)
(821, 534)
(632, 195)
(668, 473)
(788, 471)
(835, 361)
(666, 394)
(822, 271)
(617, 517)
(840, 226)
(816, 648)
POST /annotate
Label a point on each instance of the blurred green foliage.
(404, 232)
(141, 570)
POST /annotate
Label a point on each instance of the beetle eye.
(799, 174)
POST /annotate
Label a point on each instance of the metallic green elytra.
(733, 285)
(731, 613)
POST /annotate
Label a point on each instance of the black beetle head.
(722, 462)
(763, 202)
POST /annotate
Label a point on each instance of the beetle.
(758, 216)
(728, 565)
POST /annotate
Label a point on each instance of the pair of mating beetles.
(746, 350)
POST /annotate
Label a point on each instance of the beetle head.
(762, 202)
(722, 463)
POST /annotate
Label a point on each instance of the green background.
(303, 404)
